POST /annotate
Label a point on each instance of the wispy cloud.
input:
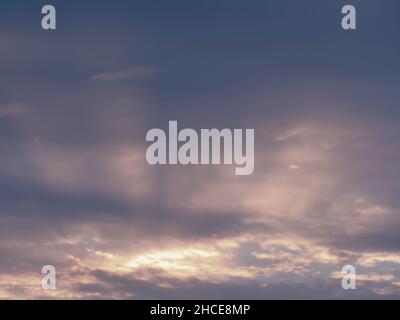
(13, 109)
(125, 74)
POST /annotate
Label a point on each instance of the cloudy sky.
(76, 191)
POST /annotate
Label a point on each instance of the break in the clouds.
(76, 191)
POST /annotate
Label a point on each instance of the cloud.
(371, 259)
(125, 74)
(103, 218)
(12, 110)
(324, 193)
(292, 134)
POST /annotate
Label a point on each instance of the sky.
(77, 193)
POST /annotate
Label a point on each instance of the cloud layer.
(76, 191)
